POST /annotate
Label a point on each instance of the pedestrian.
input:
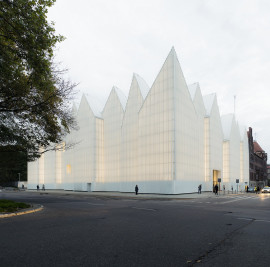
(216, 189)
(255, 189)
(232, 189)
(247, 188)
(224, 189)
(22, 186)
(136, 189)
(43, 187)
(37, 187)
(200, 189)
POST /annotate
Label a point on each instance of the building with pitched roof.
(167, 139)
(258, 162)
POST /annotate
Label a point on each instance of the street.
(93, 230)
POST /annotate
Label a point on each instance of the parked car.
(266, 189)
(251, 189)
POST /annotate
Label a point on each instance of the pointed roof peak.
(83, 96)
(226, 122)
(121, 96)
(95, 105)
(172, 53)
(172, 50)
(193, 88)
(208, 101)
(143, 86)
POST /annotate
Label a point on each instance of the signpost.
(219, 181)
(237, 182)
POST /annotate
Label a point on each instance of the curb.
(6, 215)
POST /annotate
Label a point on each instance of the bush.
(12, 206)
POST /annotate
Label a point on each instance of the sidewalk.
(132, 195)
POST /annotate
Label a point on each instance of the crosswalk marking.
(224, 199)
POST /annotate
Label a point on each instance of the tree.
(13, 164)
(35, 110)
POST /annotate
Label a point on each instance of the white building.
(168, 139)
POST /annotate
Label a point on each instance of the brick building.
(268, 174)
(257, 163)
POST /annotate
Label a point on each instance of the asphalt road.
(81, 230)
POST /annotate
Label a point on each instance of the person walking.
(43, 187)
(37, 187)
(136, 189)
(200, 189)
(224, 189)
(216, 189)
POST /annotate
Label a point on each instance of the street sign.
(219, 180)
(237, 181)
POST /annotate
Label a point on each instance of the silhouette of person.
(136, 189)
(200, 189)
(216, 189)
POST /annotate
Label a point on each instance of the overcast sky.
(222, 44)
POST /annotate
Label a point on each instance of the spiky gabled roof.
(121, 96)
(208, 101)
(192, 89)
(144, 88)
(226, 121)
(95, 105)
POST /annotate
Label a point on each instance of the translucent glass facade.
(166, 139)
(213, 141)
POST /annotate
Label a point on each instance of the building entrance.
(216, 175)
(88, 187)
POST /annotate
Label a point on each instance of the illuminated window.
(68, 169)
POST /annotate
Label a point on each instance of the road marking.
(234, 200)
(246, 219)
(262, 221)
(142, 209)
(95, 204)
(255, 220)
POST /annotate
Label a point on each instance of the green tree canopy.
(35, 99)
(11, 164)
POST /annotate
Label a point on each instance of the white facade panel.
(113, 116)
(167, 139)
(213, 143)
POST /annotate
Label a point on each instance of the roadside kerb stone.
(33, 209)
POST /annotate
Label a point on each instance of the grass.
(12, 206)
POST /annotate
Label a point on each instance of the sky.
(223, 45)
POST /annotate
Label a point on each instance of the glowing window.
(68, 169)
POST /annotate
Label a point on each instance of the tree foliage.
(12, 163)
(34, 97)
